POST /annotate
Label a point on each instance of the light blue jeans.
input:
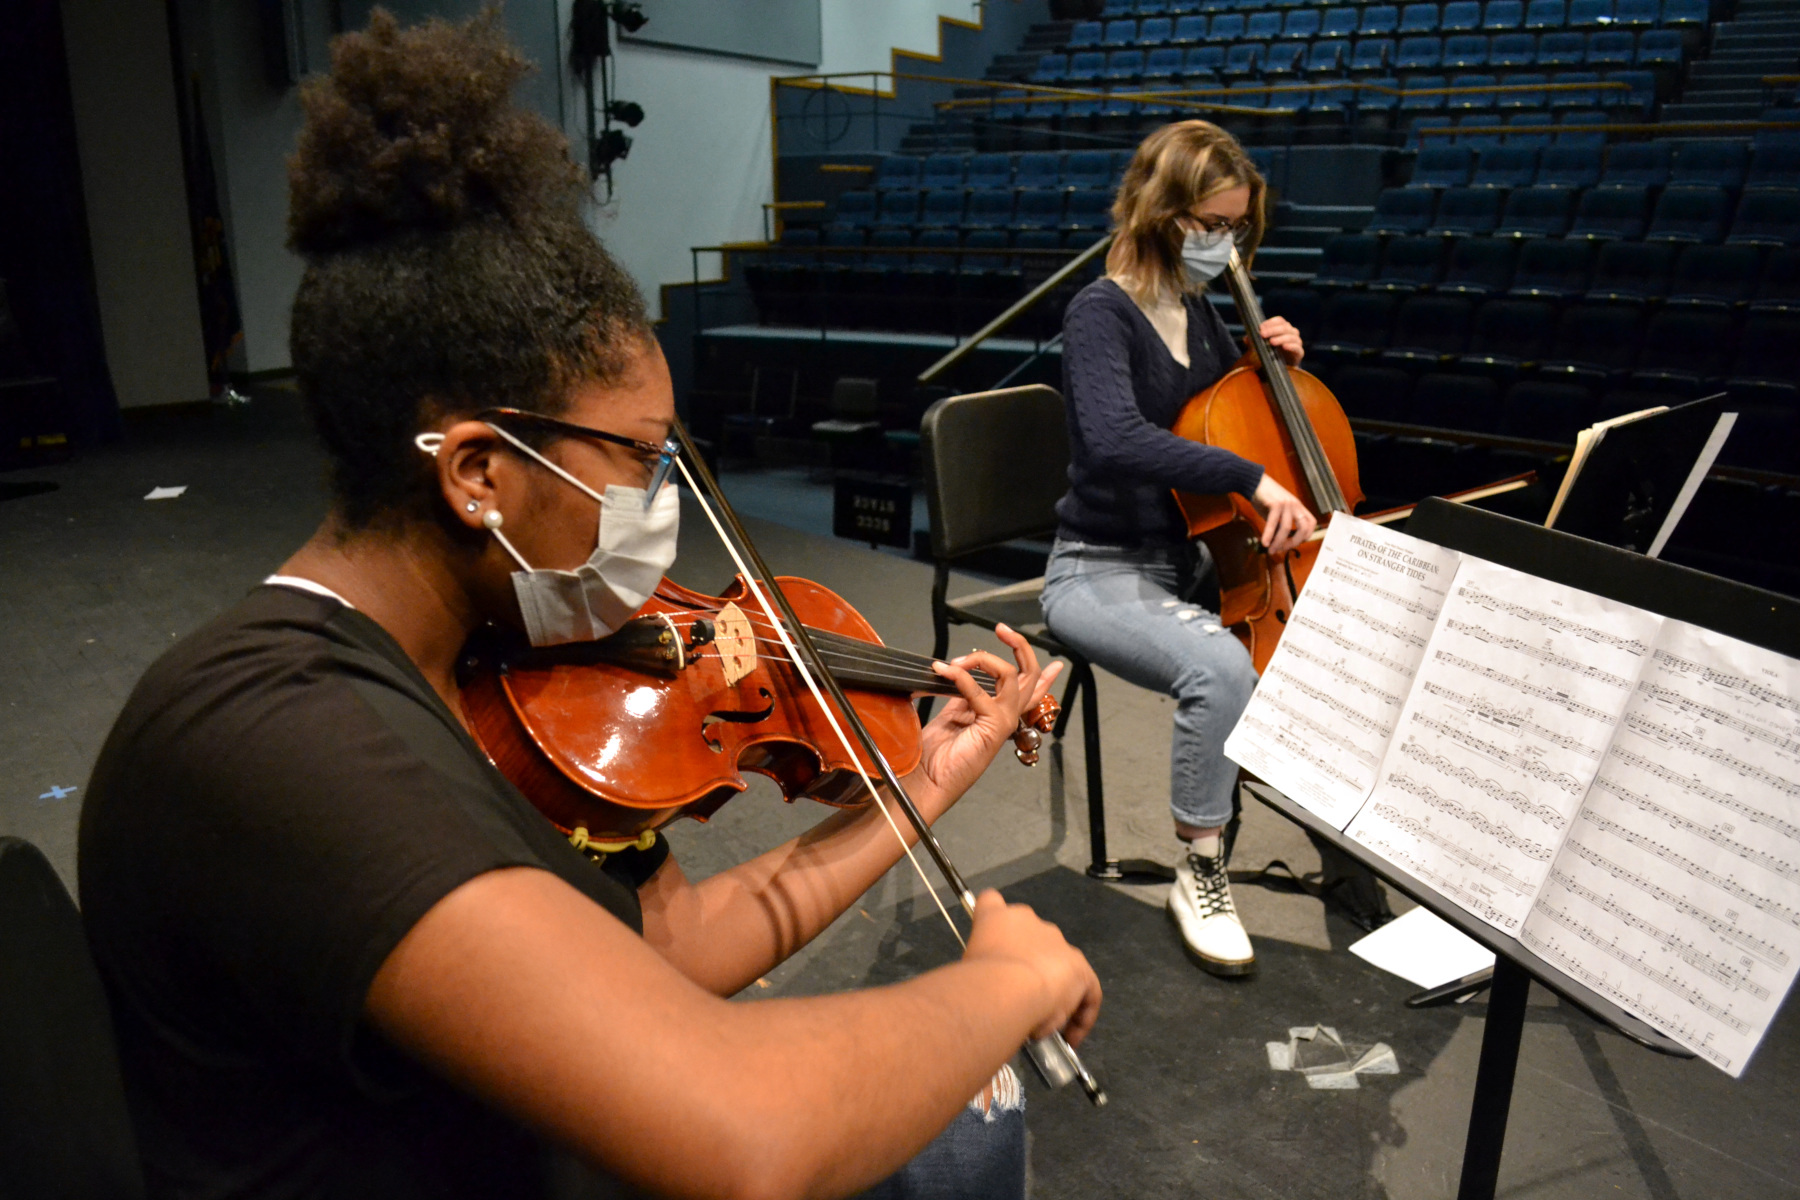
(1121, 609)
(979, 1156)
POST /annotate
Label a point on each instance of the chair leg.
(1099, 866)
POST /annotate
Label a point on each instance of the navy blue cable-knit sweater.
(1123, 391)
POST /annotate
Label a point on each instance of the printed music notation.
(1325, 708)
(1619, 791)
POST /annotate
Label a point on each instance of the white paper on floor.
(1423, 948)
(1326, 1060)
(165, 493)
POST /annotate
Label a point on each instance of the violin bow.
(1055, 1060)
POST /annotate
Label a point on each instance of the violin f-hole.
(735, 717)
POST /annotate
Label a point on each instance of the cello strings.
(813, 686)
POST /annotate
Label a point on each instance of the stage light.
(607, 149)
(630, 16)
(625, 112)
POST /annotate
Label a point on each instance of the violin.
(663, 719)
(1288, 421)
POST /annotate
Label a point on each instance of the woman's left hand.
(960, 742)
(1280, 333)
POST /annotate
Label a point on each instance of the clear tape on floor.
(1327, 1061)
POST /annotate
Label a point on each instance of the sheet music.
(1677, 892)
(1511, 712)
(1324, 709)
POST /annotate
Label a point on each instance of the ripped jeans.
(1122, 610)
(979, 1156)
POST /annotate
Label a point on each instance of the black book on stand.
(1631, 479)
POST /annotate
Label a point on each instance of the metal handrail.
(1651, 127)
(1006, 318)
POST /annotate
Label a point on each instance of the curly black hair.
(448, 268)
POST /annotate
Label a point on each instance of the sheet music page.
(1510, 714)
(1323, 711)
(1677, 892)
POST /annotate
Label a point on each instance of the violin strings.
(813, 686)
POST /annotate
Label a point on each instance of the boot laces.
(1209, 885)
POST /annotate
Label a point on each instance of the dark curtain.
(44, 255)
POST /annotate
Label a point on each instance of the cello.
(1287, 420)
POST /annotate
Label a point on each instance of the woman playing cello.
(1137, 344)
(346, 957)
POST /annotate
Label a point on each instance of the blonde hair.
(1175, 168)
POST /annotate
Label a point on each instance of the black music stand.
(1766, 619)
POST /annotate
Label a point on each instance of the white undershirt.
(306, 585)
(1169, 317)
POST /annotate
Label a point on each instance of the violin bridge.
(736, 640)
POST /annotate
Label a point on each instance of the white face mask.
(633, 548)
(1205, 255)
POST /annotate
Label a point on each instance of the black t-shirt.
(283, 797)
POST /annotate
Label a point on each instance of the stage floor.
(97, 581)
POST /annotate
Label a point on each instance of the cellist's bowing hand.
(1286, 521)
(1013, 933)
(960, 742)
(1280, 333)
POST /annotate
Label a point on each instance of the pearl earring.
(471, 506)
(492, 518)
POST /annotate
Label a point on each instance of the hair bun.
(415, 130)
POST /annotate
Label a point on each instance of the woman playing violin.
(346, 957)
(1137, 344)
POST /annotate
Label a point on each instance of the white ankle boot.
(1200, 905)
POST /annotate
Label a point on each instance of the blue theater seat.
(1639, 164)
(1609, 213)
(1326, 56)
(1528, 130)
(1775, 166)
(855, 210)
(897, 171)
(1443, 167)
(1243, 59)
(1553, 269)
(1611, 48)
(1429, 330)
(1507, 334)
(1460, 402)
(1161, 65)
(1529, 99)
(1659, 48)
(1635, 14)
(1512, 50)
(1466, 211)
(943, 171)
(1418, 18)
(1685, 351)
(1120, 33)
(1545, 15)
(1155, 31)
(1376, 393)
(1419, 97)
(1473, 99)
(1202, 63)
(1039, 169)
(1380, 19)
(1465, 50)
(1595, 345)
(1561, 50)
(1590, 14)
(1087, 169)
(897, 209)
(1051, 68)
(1641, 97)
(1263, 26)
(1355, 324)
(1402, 210)
(1631, 272)
(1585, 130)
(1479, 267)
(1282, 58)
(1190, 29)
(1340, 21)
(1568, 167)
(1506, 167)
(1685, 14)
(1546, 411)
(1409, 264)
(1301, 23)
(989, 208)
(1715, 276)
(989, 171)
(1038, 208)
(1419, 54)
(943, 208)
(1574, 97)
(1690, 214)
(1460, 16)
(1502, 16)
(1086, 33)
(1372, 54)
(1123, 66)
(1767, 218)
(1718, 163)
(1348, 260)
(1088, 208)
(1226, 27)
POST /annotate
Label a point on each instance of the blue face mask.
(1206, 255)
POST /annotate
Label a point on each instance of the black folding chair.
(995, 465)
(64, 1129)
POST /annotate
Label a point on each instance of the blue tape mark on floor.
(58, 793)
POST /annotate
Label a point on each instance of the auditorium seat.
(1542, 15)
(1325, 56)
(1428, 330)
(1513, 50)
(1775, 167)
(1473, 99)
(1639, 164)
(1553, 269)
(1155, 31)
(1372, 54)
(1087, 169)
(1608, 212)
(1123, 66)
(989, 208)
(1190, 29)
(1529, 130)
(1589, 14)
(989, 171)
(1690, 214)
(943, 208)
(1244, 58)
(1418, 18)
(1263, 26)
(1282, 58)
(1088, 208)
(1162, 65)
(1506, 167)
(1374, 393)
(1302, 24)
(1225, 28)
(1348, 260)
(1524, 99)
(855, 210)
(1086, 66)
(1685, 351)
(1464, 51)
(1202, 63)
(1120, 32)
(1712, 163)
(1631, 272)
(897, 171)
(1468, 210)
(1567, 167)
(1355, 324)
(1502, 16)
(1685, 14)
(1611, 48)
(1560, 50)
(1302, 307)
(1574, 97)
(1340, 21)
(1507, 335)
(1778, 288)
(1479, 267)
(897, 210)
(1461, 402)
(1423, 94)
(1586, 130)
(1038, 208)
(1594, 344)
(1402, 210)
(1767, 218)
(1409, 265)
(1380, 19)
(1635, 14)
(1460, 16)
(1714, 276)
(1039, 169)
(1659, 48)
(1536, 212)
(1641, 98)
(1766, 368)
(1443, 167)
(1546, 410)
(1051, 68)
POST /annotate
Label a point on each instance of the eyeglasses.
(665, 454)
(1215, 229)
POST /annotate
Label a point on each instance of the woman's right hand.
(1012, 932)
(1286, 521)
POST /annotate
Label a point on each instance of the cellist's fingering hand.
(1286, 521)
(1281, 334)
(960, 742)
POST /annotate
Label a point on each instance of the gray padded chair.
(64, 1130)
(996, 463)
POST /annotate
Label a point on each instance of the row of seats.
(1459, 16)
(1036, 169)
(1760, 278)
(1165, 66)
(1726, 164)
(1607, 212)
(985, 208)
